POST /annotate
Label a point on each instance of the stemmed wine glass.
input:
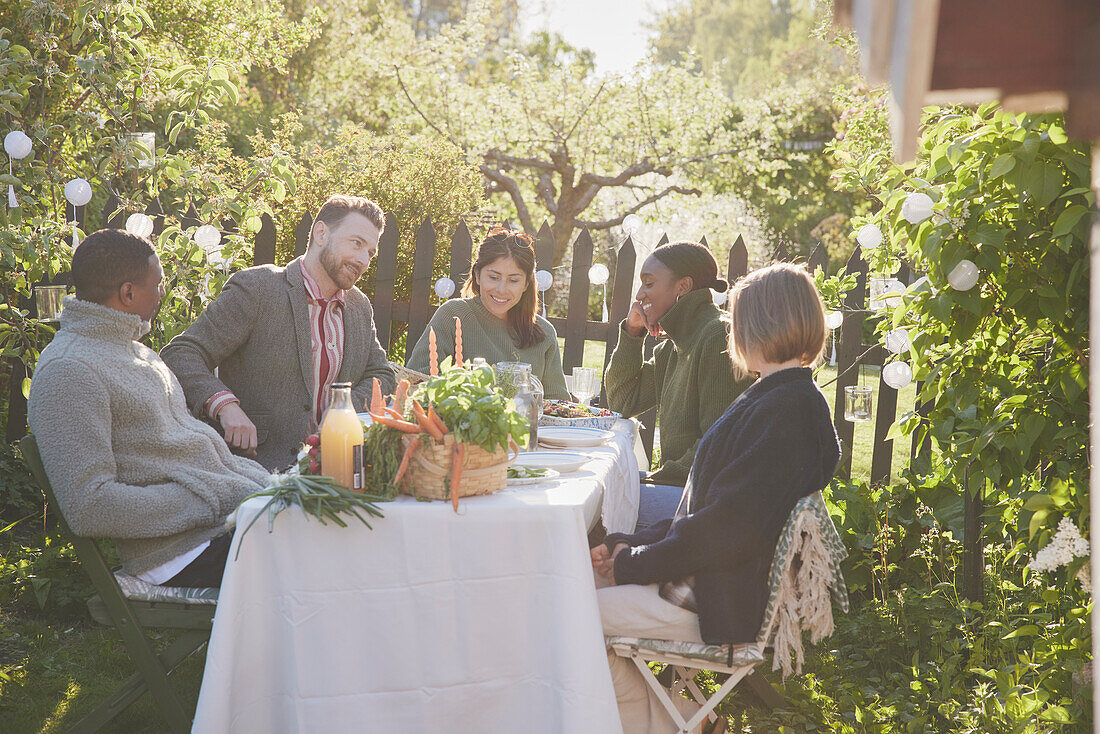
(584, 384)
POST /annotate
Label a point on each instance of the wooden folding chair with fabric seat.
(131, 605)
(804, 581)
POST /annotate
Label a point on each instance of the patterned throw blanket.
(803, 582)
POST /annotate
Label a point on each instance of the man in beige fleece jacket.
(125, 457)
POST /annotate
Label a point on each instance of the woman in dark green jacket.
(690, 378)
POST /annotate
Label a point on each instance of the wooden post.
(384, 278)
(420, 289)
(263, 249)
(738, 266)
(301, 234)
(622, 295)
(973, 554)
(847, 354)
(577, 315)
(462, 247)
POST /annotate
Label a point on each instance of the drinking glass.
(857, 403)
(584, 383)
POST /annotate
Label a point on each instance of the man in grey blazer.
(279, 337)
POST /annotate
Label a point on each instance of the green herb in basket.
(320, 496)
(473, 409)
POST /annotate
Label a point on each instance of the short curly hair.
(105, 260)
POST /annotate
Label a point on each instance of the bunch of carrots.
(424, 422)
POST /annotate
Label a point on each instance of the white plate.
(520, 481)
(561, 461)
(573, 436)
(365, 418)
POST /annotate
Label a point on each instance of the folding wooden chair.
(141, 605)
(804, 577)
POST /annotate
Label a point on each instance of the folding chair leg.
(137, 684)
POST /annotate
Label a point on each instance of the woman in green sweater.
(690, 378)
(500, 320)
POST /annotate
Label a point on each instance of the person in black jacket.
(702, 575)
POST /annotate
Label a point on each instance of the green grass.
(863, 440)
(55, 670)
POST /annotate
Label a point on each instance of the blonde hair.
(777, 312)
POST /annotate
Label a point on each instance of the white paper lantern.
(18, 145)
(897, 341)
(922, 284)
(719, 298)
(444, 287)
(869, 237)
(543, 280)
(885, 292)
(139, 225)
(897, 375)
(598, 274)
(834, 320)
(917, 207)
(632, 223)
(78, 192)
(208, 238)
(963, 276)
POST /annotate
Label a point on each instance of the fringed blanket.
(804, 580)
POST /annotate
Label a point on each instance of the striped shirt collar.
(313, 290)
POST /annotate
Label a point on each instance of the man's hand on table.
(603, 560)
(240, 432)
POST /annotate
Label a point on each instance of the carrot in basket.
(403, 426)
(394, 414)
(414, 444)
(434, 417)
(456, 471)
(377, 404)
(400, 395)
(425, 422)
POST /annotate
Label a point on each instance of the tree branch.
(508, 184)
(494, 154)
(640, 168)
(609, 223)
(432, 125)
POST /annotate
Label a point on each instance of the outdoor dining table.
(482, 621)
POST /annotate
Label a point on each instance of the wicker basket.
(429, 472)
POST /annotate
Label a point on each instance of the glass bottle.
(342, 439)
(514, 379)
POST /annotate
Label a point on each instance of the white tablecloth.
(480, 622)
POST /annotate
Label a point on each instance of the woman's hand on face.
(639, 321)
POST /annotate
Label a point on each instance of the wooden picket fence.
(576, 328)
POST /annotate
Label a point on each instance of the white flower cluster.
(1066, 545)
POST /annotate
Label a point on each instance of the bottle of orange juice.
(342, 439)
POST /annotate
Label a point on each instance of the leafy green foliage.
(474, 410)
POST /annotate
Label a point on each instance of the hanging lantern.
(598, 274)
(897, 341)
(139, 225)
(543, 280)
(719, 298)
(869, 237)
(963, 276)
(78, 192)
(444, 288)
(632, 223)
(834, 320)
(897, 375)
(18, 145)
(917, 207)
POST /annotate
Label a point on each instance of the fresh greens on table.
(527, 472)
(382, 452)
(319, 496)
(472, 408)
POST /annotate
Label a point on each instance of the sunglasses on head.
(503, 233)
